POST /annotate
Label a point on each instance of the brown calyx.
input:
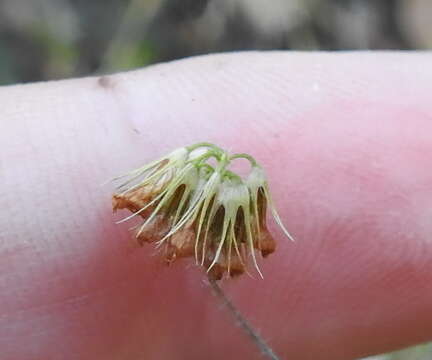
(134, 200)
(266, 243)
(182, 243)
(231, 264)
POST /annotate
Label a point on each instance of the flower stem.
(207, 155)
(265, 349)
(204, 144)
(244, 156)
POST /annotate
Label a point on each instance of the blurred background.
(51, 39)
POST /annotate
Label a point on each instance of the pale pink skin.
(346, 140)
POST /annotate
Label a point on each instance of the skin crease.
(345, 139)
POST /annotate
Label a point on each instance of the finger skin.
(345, 140)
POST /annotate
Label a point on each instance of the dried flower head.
(192, 208)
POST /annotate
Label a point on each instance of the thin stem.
(244, 156)
(209, 168)
(204, 157)
(265, 349)
(204, 144)
(232, 175)
(223, 162)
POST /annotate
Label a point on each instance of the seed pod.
(190, 208)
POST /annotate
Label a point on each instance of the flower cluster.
(191, 208)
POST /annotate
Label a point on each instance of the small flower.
(191, 208)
